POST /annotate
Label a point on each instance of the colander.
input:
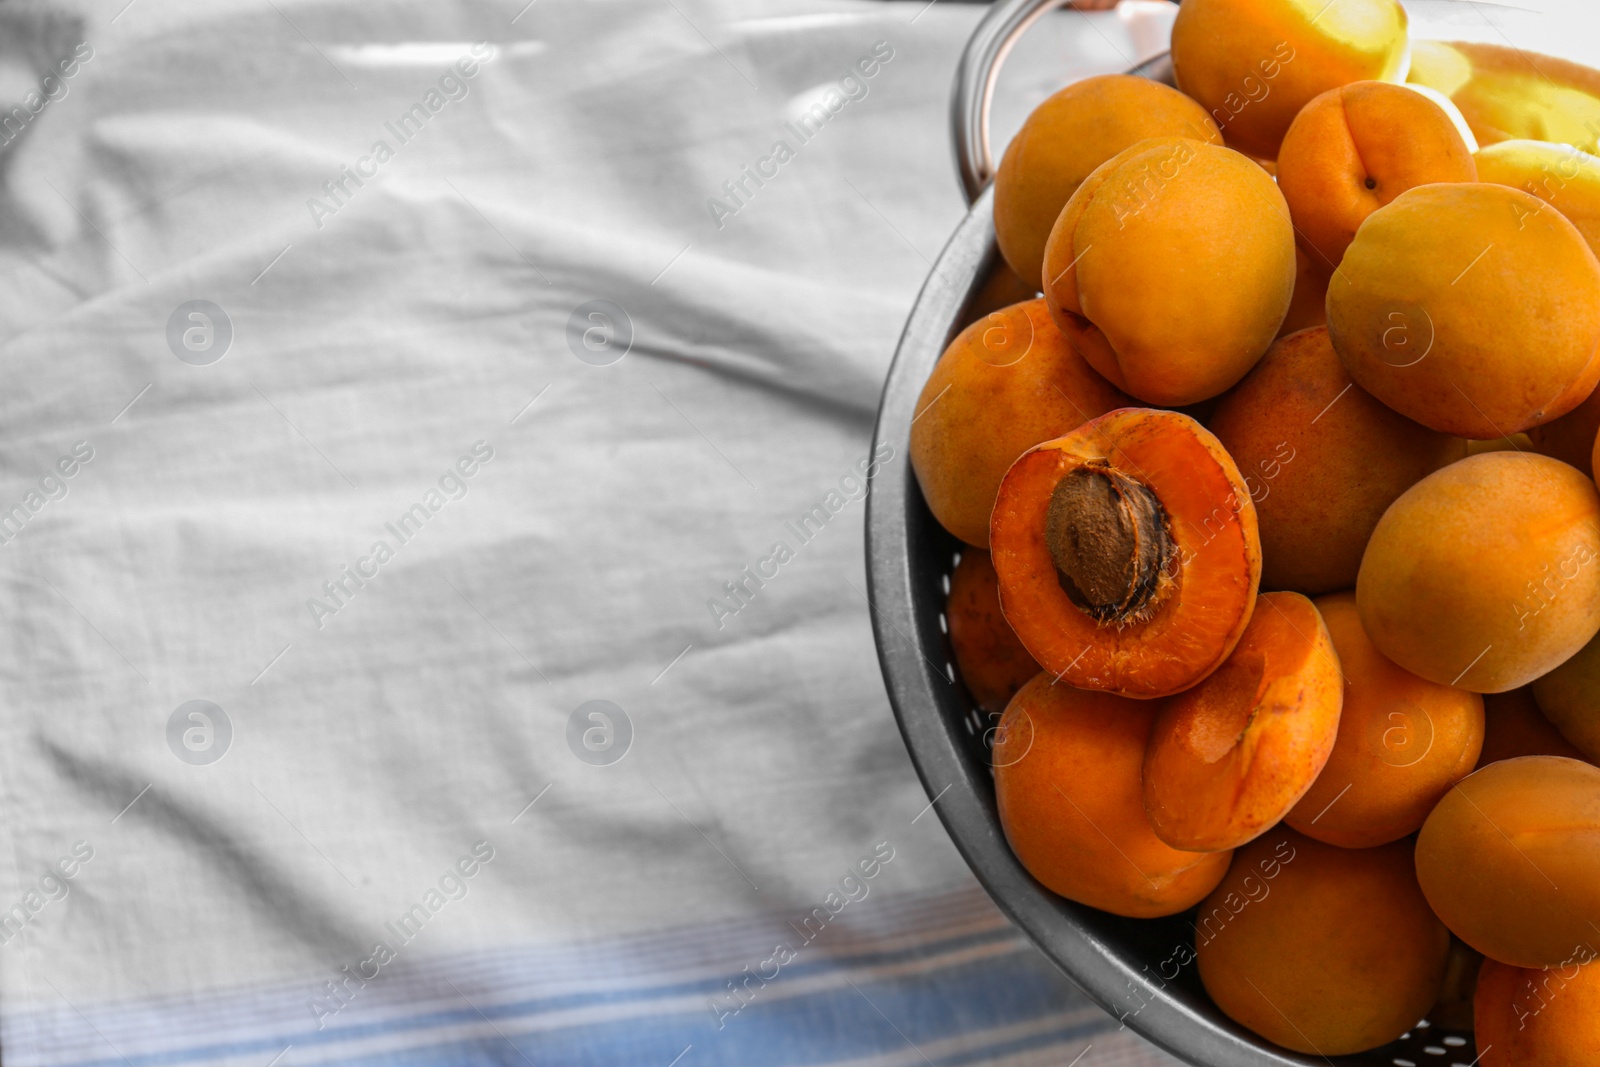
(1129, 967)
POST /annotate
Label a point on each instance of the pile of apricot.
(1282, 574)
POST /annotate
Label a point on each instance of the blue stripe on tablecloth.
(932, 991)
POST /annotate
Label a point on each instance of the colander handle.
(976, 74)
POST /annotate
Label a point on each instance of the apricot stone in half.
(1322, 459)
(1355, 148)
(1069, 135)
(1066, 781)
(1127, 553)
(1510, 859)
(1255, 63)
(1562, 176)
(1007, 382)
(1171, 268)
(1483, 575)
(1539, 1018)
(1336, 954)
(1514, 726)
(1403, 742)
(1470, 307)
(1230, 757)
(992, 662)
(1569, 696)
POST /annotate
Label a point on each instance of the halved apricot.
(1403, 742)
(1540, 1018)
(992, 662)
(1230, 757)
(1323, 950)
(1514, 726)
(1007, 382)
(1066, 781)
(1510, 859)
(1355, 148)
(1128, 553)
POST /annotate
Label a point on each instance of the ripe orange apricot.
(1483, 575)
(1508, 859)
(991, 660)
(1562, 176)
(1514, 726)
(1005, 383)
(1230, 757)
(1569, 696)
(1127, 553)
(1133, 264)
(1403, 742)
(1508, 93)
(1539, 1018)
(1308, 306)
(1322, 459)
(1067, 785)
(1355, 148)
(1469, 307)
(1255, 63)
(1336, 954)
(1069, 135)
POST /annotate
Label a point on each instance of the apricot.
(1482, 574)
(1403, 742)
(1569, 696)
(1005, 383)
(992, 662)
(1067, 786)
(1308, 305)
(1539, 1018)
(1562, 176)
(1229, 758)
(1508, 93)
(1335, 954)
(1572, 437)
(1128, 553)
(1514, 726)
(1322, 459)
(1171, 268)
(1509, 859)
(1255, 63)
(1469, 307)
(1069, 135)
(1355, 148)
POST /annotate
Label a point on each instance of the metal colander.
(1122, 964)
